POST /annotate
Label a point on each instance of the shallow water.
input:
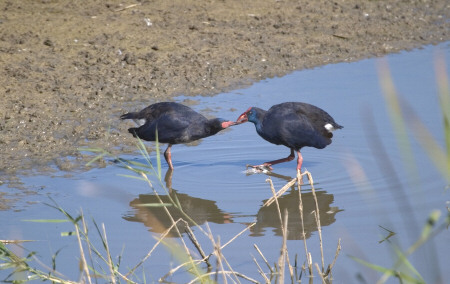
(357, 192)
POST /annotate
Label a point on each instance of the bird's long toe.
(261, 168)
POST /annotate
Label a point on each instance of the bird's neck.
(213, 126)
(258, 118)
(258, 125)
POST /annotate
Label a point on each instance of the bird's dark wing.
(171, 129)
(157, 110)
(152, 111)
(296, 125)
(175, 127)
(316, 117)
(299, 132)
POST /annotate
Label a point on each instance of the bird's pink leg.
(299, 165)
(269, 164)
(168, 156)
(299, 161)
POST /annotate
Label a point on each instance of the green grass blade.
(427, 231)
(431, 222)
(15, 241)
(400, 119)
(444, 99)
(394, 108)
(177, 201)
(68, 216)
(184, 257)
(98, 157)
(144, 152)
(135, 170)
(434, 151)
(373, 266)
(130, 176)
(54, 259)
(387, 271)
(138, 164)
(403, 260)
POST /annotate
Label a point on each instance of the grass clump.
(201, 265)
(406, 124)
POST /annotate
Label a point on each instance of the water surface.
(358, 193)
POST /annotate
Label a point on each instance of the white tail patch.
(140, 122)
(329, 127)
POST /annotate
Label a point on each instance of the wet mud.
(70, 68)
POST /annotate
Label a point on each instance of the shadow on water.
(154, 216)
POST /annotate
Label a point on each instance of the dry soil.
(69, 68)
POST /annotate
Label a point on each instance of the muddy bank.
(70, 68)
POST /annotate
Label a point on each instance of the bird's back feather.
(297, 125)
(175, 123)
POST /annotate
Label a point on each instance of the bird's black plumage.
(294, 125)
(175, 123)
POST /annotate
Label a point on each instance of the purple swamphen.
(175, 123)
(294, 125)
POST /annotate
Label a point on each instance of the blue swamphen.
(294, 125)
(175, 123)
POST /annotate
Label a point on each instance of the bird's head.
(244, 117)
(215, 125)
(220, 123)
(253, 114)
(226, 123)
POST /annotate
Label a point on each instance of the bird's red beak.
(243, 117)
(227, 124)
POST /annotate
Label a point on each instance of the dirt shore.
(70, 68)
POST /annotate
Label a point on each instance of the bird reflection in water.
(267, 216)
(203, 210)
(156, 218)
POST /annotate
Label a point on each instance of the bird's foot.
(264, 168)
